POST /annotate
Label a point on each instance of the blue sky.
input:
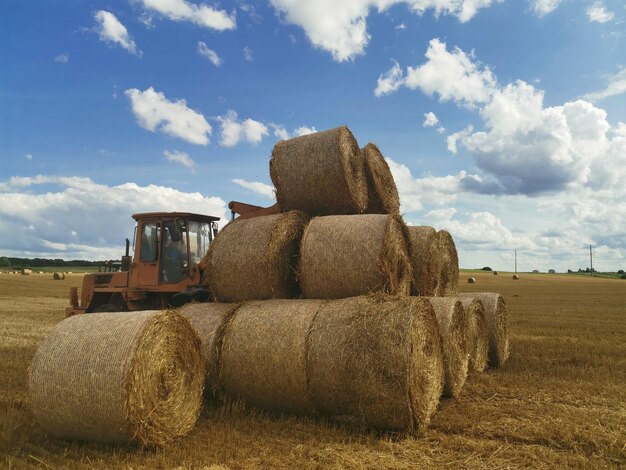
(503, 121)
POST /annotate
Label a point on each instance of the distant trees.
(487, 268)
(44, 262)
(5, 262)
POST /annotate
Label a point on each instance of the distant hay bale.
(478, 333)
(320, 173)
(495, 273)
(435, 262)
(349, 255)
(515, 277)
(453, 324)
(40, 272)
(27, 272)
(471, 280)
(58, 276)
(118, 377)
(377, 359)
(256, 258)
(208, 319)
(264, 354)
(497, 321)
(382, 191)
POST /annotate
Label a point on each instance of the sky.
(503, 121)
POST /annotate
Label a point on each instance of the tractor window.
(174, 262)
(199, 238)
(149, 242)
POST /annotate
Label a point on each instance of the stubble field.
(560, 400)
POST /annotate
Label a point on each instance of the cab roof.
(151, 216)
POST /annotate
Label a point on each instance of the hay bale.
(27, 272)
(498, 323)
(118, 377)
(377, 359)
(349, 255)
(264, 354)
(471, 280)
(435, 262)
(320, 173)
(255, 259)
(208, 319)
(515, 277)
(382, 193)
(58, 276)
(478, 333)
(495, 273)
(453, 324)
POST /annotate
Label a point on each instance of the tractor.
(166, 267)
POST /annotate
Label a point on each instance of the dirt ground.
(560, 400)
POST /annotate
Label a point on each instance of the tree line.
(9, 262)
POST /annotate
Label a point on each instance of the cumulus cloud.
(62, 58)
(154, 111)
(210, 54)
(341, 27)
(389, 81)
(282, 133)
(543, 7)
(181, 158)
(304, 130)
(597, 13)
(257, 187)
(616, 86)
(111, 30)
(234, 131)
(247, 54)
(202, 15)
(78, 218)
(430, 119)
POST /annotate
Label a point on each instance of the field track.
(560, 400)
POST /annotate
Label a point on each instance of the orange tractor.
(166, 269)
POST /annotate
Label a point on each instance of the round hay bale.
(515, 277)
(435, 262)
(471, 280)
(377, 359)
(498, 323)
(118, 377)
(495, 273)
(40, 272)
(27, 272)
(478, 333)
(264, 352)
(58, 276)
(256, 258)
(208, 319)
(453, 324)
(349, 255)
(320, 173)
(381, 188)
(448, 266)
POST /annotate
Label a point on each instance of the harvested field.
(557, 402)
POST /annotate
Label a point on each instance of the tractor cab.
(164, 271)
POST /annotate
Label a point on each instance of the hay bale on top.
(471, 280)
(255, 259)
(263, 354)
(58, 276)
(381, 188)
(453, 326)
(349, 255)
(377, 359)
(435, 262)
(320, 173)
(208, 319)
(118, 377)
(497, 321)
(478, 333)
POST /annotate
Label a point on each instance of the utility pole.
(515, 261)
(591, 259)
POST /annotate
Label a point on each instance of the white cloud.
(453, 139)
(597, 13)
(257, 187)
(28, 156)
(181, 158)
(544, 7)
(155, 112)
(41, 224)
(341, 27)
(233, 130)
(430, 119)
(389, 81)
(282, 133)
(616, 86)
(63, 58)
(452, 75)
(202, 15)
(210, 54)
(111, 30)
(304, 130)
(247, 54)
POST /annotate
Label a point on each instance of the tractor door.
(148, 272)
(175, 254)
